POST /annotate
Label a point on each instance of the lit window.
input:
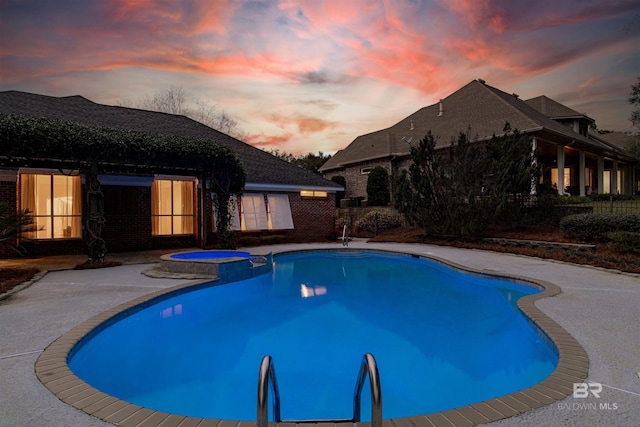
(279, 214)
(310, 193)
(254, 213)
(55, 202)
(567, 177)
(172, 207)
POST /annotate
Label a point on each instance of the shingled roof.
(555, 110)
(261, 167)
(477, 108)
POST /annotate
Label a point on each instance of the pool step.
(268, 376)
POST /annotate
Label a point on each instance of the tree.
(13, 226)
(309, 161)
(174, 100)
(634, 100)
(378, 187)
(512, 167)
(464, 187)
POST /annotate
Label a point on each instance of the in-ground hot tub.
(226, 265)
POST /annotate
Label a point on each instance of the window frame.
(279, 214)
(156, 205)
(52, 218)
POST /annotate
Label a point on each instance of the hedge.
(625, 241)
(596, 226)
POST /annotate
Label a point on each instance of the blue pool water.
(204, 255)
(441, 339)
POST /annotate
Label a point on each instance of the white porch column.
(581, 173)
(600, 175)
(614, 178)
(560, 163)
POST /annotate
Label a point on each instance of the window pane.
(164, 198)
(254, 213)
(183, 224)
(62, 198)
(43, 195)
(164, 225)
(43, 230)
(279, 212)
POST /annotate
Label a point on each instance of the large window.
(55, 201)
(172, 207)
(279, 212)
(567, 177)
(256, 215)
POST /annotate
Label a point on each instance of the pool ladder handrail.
(268, 375)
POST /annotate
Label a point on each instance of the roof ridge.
(501, 96)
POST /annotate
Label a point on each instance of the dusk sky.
(309, 76)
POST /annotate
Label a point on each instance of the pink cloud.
(274, 141)
(304, 124)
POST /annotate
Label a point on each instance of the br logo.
(582, 390)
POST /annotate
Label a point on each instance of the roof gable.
(554, 109)
(260, 166)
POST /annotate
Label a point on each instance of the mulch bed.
(602, 256)
(11, 277)
(89, 265)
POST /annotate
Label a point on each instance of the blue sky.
(309, 76)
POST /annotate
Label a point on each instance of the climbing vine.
(93, 150)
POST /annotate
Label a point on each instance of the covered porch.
(577, 170)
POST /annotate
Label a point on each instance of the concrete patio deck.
(599, 308)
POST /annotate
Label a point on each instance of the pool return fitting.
(268, 376)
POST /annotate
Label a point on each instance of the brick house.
(590, 163)
(157, 210)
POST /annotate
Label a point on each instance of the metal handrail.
(267, 375)
(370, 366)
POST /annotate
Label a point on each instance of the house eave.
(288, 188)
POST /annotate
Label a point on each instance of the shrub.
(596, 226)
(614, 197)
(625, 241)
(249, 240)
(375, 221)
(273, 239)
(378, 187)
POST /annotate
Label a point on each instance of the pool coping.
(573, 366)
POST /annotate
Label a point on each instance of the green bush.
(596, 226)
(376, 221)
(615, 197)
(273, 239)
(625, 241)
(378, 187)
(249, 240)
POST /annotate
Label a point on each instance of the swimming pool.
(442, 339)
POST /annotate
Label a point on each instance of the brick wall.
(128, 222)
(313, 217)
(8, 195)
(127, 211)
(357, 181)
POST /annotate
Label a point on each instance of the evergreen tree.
(378, 187)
